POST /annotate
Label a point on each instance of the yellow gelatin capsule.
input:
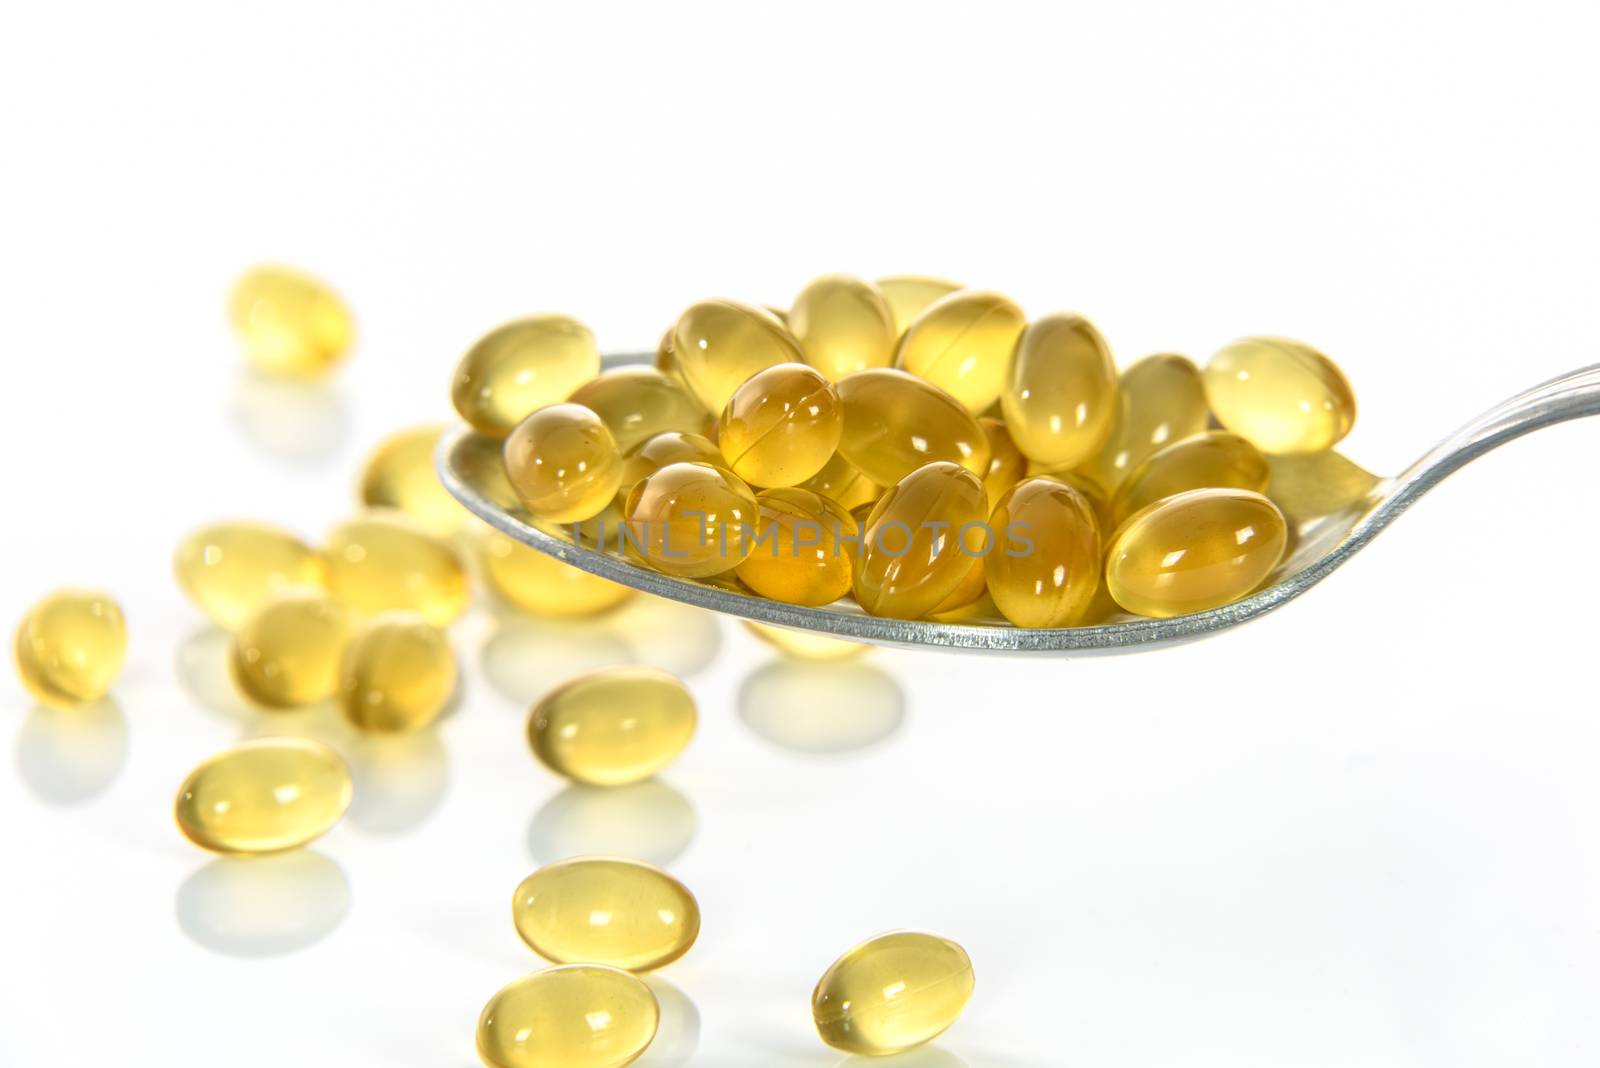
(1160, 400)
(717, 344)
(895, 422)
(1216, 459)
(668, 447)
(1060, 395)
(781, 426)
(381, 561)
(287, 654)
(1007, 465)
(1195, 551)
(962, 344)
(290, 323)
(1045, 564)
(691, 520)
(605, 910)
(804, 546)
(573, 1016)
(1284, 396)
(400, 474)
(229, 570)
(843, 326)
(614, 726)
(914, 551)
(70, 647)
(637, 402)
(891, 993)
(520, 367)
(841, 481)
(397, 674)
(264, 796)
(908, 296)
(563, 463)
(803, 644)
(542, 585)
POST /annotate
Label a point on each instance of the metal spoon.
(1334, 507)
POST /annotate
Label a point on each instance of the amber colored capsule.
(70, 647)
(973, 585)
(229, 570)
(572, 1016)
(668, 447)
(287, 654)
(1007, 465)
(606, 910)
(1195, 551)
(804, 644)
(538, 583)
(841, 481)
(1160, 400)
(637, 402)
(781, 426)
(691, 520)
(909, 295)
(1045, 564)
(962, 343)
(915, 544)
(804, 547)
(1283, 395)
(381, 561)
(613, 726)
(290, 323)
(1060, 395)
(563, 463)
(717, 344)
(520, 367)
(891, 993)
(843, 326)
(397, 674)
(400, 474)
(895, 422)
(1216, 459)
(264, 796)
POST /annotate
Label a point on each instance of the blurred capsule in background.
(397, 674)
(230, 569)
(383, 561)
(70, 647)
(289, 322)
(400, 474)
(822, 708)
(287, 653)
(520, 367)
(539, 584)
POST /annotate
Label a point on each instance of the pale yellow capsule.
(397, 674)
(1007, 465)
(1284, 396)
(563, 464)
(400, 474)
(962, 343)
(1216, 459)
(691, 520)
(229, 570)
(70, 647)
(1044, 566)
(1160, 400)
(669, 447)
(841, 481)
(843, 326)
(892, 993)
(287, 654)
(636, 403)
(908, 296)
(895, 422)
(804, 644)
(381, 561)
(804, 549)
(1195, 551)
(614, 726)
(1060, 395)
(717, 344)
(520, 367)
(606, 910)
(264, 796)
(573, 1016)
(289, 322)
(539, 584)
(915, 548)
(781, 426)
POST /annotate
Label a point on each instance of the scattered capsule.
(1048, 567)
(573, 1016)
(290, 323)
(400, 474)
(895, 422)
(804, 545)
(397, 674)
(381, 561)
(1160, 400)
(287, 654)
(1195, 551)
(841, 481)
(691, 520)
(914, 551)
(781, 426)
(70, 647)
(614, 726)
(1284, 396)
(538, 583)
(563, 463)
(229, 570)
(962, 343)
(520, 367)
(668, 447)
(1216, 459)
(843, 326)
(891, 993)
(717, 344)
(605, 910)
(803, 644)
(909, 295)
(264, 796)
(637, 402)
(1060, 395)
(1007, 465)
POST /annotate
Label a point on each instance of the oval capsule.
(1216, 459)
(1045, 566)
(637, 402)
(914, 553)
(691, 520)
(895, 422)
(1283, 395)
(1007, 465)
(843, 326)
(1160, 400)
(892, 993)
(842, 482)
(614, 726)
(264, 796)
(1195, 551)
(563, 464)
(229, 570)
(70, 647)
(606, 910)
(541, 585)
(669, 447)
(572, 1016)
(397, 674)
(520, 367)
(287, 654)
(289, 322)
(962, 343)
(382, 561)
(400, 474)
(1060, 395)
(717, 344)
(803, 547)
(908, 296)
(781, 426)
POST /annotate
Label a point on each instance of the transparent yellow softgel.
(892, 993)
(614, 726)
(383, 561)
(1283, 395)
(400, 474)
(520, 367)
(264, 796)
(572, 1016)
(289, 322)
(229, 570)
(287, 653)
(397, 674)
(606, 910)
(70, 646)
(781, 426)
(563, 463)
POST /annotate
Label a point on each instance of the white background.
(1358, 832)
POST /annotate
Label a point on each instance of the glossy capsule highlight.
(915, 548)
(606, 910)
(690, 520)
(1282, 395)
(1195, 551)
(1215, 459)
(264, 796)
(895, 422)
(781, 426)
(636, 403)
(289, 322)
(612, 727)
(962, 343)
(70, 646)
(1045, 567)
(287, 654)
(382, 561)
(718, 344)
(397, 674)
(843, 326)
(804, 545)
(1060, 391)
(573, 1016)
(892, 993)
(563, 464)
(400, 474)
(541, 585)
(520, 367)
